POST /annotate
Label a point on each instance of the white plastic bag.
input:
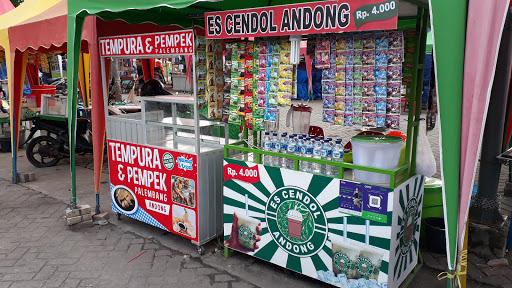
(425, 161)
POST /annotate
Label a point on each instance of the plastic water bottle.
(276, 147)
(337, 156)
(267, 146)
(301, 149)
(308, 153)
(327, 155)
(317, 154)
(291, 150)
(284, 148)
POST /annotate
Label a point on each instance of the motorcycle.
(49, 148)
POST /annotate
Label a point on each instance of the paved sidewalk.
(38, 250)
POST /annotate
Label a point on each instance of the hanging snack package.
(328, 87)
(349, 108)
(357, 90)
(393, 121)
(368, 57)
(381, 90)
(348, 119)
(396, 39)
(357, 105)
(339, 104)
(381, 41)
(329, 74)
(263, 47)
(341, 59)
(368, 41)
(286, 71)
(328, 115)
(344, 43)
(394, 73)
(381, 105)
(339, 118)
(284, 57)
(322, 59)
(394, 89)
(272, 100)
(340, 88)
(357, 119)
(395, 57)
(357, 75)
(329, 101)
(285, 85)
(271, 114)
(380, 74)
(369, 119)
(349, 58)
(357, 42)
(381, 58)
(259, 124)
(323, 44)
(349, 89)
(368, 73)
(340, 74)
(284, 98)
(368, 104)
(349, 74)
(357, 58)
(381, 120)
(393, 106)
(369, 89)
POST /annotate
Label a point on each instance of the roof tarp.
(45, 29)
(5, 6)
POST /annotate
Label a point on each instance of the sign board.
(162, 43)
(297, 220)
(304, 18)
(154, 185)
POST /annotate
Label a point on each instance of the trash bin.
(433, 199)
(435, 237)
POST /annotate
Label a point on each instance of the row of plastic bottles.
(305, 146)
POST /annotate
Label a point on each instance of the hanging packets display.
(248, 85)
(281, 63)
(214, 78)
(236, 94)
(367, 71)
(201, 73)
(258, 77)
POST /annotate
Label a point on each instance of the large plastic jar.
(378, 152)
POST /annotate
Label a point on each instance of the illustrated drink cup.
(368, 264)
(344, 258)
(295, 219)
(247, 230)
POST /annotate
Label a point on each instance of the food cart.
(346, 224)
(165, 166)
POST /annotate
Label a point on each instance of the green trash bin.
(433, 199)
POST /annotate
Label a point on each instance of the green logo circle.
(408, 226)
(168, 161)
(342, 262)
(365, 267)
(296, 221)
(246, 236)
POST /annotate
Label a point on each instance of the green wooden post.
(75, 26)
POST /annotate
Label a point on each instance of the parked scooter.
(52, 145)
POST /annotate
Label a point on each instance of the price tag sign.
(242, 173)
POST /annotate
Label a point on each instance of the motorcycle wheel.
(43, 151)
